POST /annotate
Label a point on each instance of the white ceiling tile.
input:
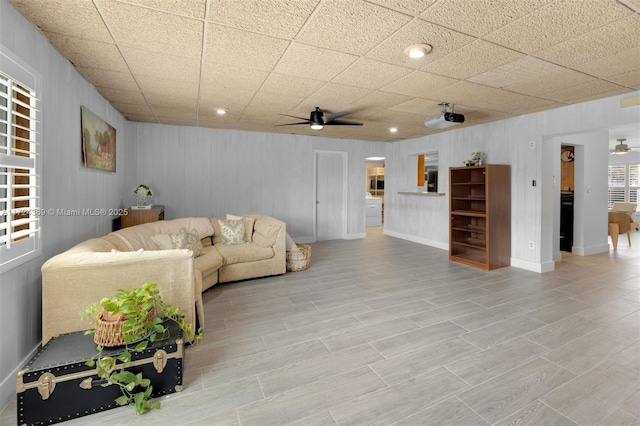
(380, 99)
(411, 7)
(556, 22)
(371, 74)
(336, 96)
(242, 48)
(161, 65)
(443, 40)
(419, 84)
(559, 80)
(313, 62)
(605, 41)
(75, 18)
(189, 8)
(624, 62)
(474, 58)
(586, 91)
(518, 71)
(290, 85)
(152, 30)
(230, 77)
(463, 15)
(82, 52)
(354, 27)
(109, 79)
(278, 18)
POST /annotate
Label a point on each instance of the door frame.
(345, 186)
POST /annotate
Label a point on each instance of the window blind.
(19, 179)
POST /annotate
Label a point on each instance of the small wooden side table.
(140, 216)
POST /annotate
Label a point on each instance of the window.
(624, 183)
(20, 208)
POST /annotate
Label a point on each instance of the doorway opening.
(374, 191)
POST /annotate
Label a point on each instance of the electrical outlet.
(532, 144)
(531, 245)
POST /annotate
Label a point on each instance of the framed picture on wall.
(98, 142)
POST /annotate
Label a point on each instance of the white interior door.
(330, 190)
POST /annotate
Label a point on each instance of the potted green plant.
(138, 315)
(477, 157)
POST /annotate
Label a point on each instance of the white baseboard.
(533, 266)
(586, 251)
(356, 236)
(413, 238)
(8, 385)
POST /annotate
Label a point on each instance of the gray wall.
(66, 184)
(211, 172)
(535, 211)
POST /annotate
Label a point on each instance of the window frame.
(19, 77)
(626, 184)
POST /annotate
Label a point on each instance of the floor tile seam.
(520, 364)
(394, 306)
(314, 338)
(487, 325)
(569, 341)
(548, 349)
(539, 400)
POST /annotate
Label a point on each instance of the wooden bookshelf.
(480, 216)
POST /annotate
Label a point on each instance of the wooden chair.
(621, 221)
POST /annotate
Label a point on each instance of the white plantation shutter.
(634, 183)
(617, 183)
(624, 183)
(20, 209)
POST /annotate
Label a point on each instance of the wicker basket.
(109, 333)
(299, 260)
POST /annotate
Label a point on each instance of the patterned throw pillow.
(232, 231)
(180, 240)
(187, 240)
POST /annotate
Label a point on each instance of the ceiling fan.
(621, 148)
(317, 120)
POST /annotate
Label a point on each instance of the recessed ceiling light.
(417, 51)
(221, 111)
(393, 129)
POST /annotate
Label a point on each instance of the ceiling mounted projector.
(445, 119)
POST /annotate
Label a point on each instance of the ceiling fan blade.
(343, 123)
(293, 116)
(333, 116)
(291, 124)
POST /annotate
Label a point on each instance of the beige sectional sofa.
(97, 267)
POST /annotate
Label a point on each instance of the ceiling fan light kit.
(621, 148)
(444, 119)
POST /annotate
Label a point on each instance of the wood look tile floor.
(383, 331)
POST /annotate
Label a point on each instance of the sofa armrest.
(73, 281)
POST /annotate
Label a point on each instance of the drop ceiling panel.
(472, 59)
(410, 7)
(313, 62)
(463, 15)
(188, 8)
(624, 62)
(278, 18)
(109, 79)
(444, 41)
(550, 83)
(353, 27)
(419, 84)
(518, 71)
(289, 85)
(89, 53)
(152, 30)
(242, 48)
(230, 77)
(619, 36)
(163, 66)
(371, 74)
(76, 18)
(556, 22)
(176, 61)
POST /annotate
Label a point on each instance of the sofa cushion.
(265, 231)
(232, 231)
(209, 262)
(248, 225)
(180, 240)
(101, 244)
(139, 236)
(241, 253)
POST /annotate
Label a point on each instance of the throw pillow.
(248, 225)
(180, 240)
(232, 231)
